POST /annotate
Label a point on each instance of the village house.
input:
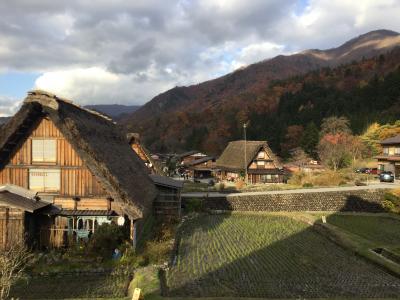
(154, 165)
(389, 160)
(64, 170)
(189, 156)
(255, 157)
(201, 168)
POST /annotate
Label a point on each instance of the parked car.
(362, 170)
(386, 176)
(373, 171)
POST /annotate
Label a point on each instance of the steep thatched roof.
(134, 137)
(99, 142)
(391, 141)
(232, 159)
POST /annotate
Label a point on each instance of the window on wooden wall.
(261, 154)
(44, 180)
(44, 151)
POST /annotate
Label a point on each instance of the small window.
(386, 150)
(44, 151)
(261, 154)
(397, 150)
(261, 163)
(44, 180)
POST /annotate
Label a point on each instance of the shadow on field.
(271, 256)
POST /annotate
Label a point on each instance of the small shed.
(22, 214)
(168, 202)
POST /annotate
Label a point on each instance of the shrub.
(307, 185)
(157, 252)
(388, 205)
(105, 239)
(220, 186)
(392, 198)
(239, 184)
(193, 205)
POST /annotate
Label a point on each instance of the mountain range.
(209, 114)
(114, 111)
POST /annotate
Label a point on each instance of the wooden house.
(154, 166)
(78, 162)
(201, 168)
(189, 156)
(254, 156)
(389, 160)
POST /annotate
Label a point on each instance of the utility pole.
(245, 153)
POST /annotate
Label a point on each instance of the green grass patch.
(380, 230)
(271, 256)
(72, 286)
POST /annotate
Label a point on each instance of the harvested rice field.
(266, 255)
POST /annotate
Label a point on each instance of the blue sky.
(15, 84)
(127, 52)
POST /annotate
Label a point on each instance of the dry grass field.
(268, 256)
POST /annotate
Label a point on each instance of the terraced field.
(268, 256)
(382, 231)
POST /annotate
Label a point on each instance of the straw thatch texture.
(99, 142)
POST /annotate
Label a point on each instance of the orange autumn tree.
(334, 150)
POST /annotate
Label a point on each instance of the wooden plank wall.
(76, 178)
(11, 227)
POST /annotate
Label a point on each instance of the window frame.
(45, 188)
(52, 161)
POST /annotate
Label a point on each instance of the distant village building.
(255, 156)
(190, 156)
(389, 160)
(168, 201)
(300, 161)
(64, 170)
(201, 168)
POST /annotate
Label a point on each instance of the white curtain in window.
(44, 150)
(44, 180)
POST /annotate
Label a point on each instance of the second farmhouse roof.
(233, 157)
(391, 141)
(99, 142)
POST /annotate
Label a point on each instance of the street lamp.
(245, 153)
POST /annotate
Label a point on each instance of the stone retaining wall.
(355, 200)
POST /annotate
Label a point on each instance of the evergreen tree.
(310, 139)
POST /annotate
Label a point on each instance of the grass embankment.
(272, 256)
(361, 233)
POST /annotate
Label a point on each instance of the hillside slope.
(206, 116)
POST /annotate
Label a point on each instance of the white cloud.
(129, 51)
(257, 52)
(8, 106)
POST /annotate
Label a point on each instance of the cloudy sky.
(128, 51)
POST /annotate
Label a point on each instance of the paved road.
(312, 190)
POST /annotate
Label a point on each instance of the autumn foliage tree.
(334, 150)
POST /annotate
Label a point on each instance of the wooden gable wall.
(76, 178)
(266, 162)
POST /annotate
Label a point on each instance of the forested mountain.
(113, 110)
(359, 79)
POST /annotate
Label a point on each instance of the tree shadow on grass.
(252, 255)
